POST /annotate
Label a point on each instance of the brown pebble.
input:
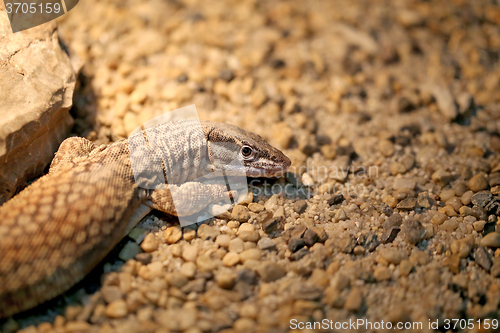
(144, 258)
(405, 267)
(300, 206)
(491, 240)
(150, 243)
(173, 234)
(386, 148)
(450, 225)
(354, 300)
(478, 183)
(231, 259)
(482, 258)
(439, 218)
(392, 255)
(407, 204)
(116, 309)
(389, 235)
(226, 280)
(208, 232)
(394, 220)
(441, 177)
(271, 271)
(240, 213)
(413, 230)
(454, 264)
(111, 293)
(382, 273)
(255, 207)
(390, 201)
(359, 250)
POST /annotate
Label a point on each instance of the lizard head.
(234, 149)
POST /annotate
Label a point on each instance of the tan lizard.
(60, 227)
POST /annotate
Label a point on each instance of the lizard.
(56, 230)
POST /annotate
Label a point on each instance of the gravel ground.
(390, 113)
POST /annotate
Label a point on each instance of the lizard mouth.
(269, 172)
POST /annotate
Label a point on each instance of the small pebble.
(266, 244)
(129, 251)
(413, 231)
(150, 243)
(255, 207)
(407, 204)
(223, 240)
(482, 258)
(144, 258)
(392, 255)
(389, 235)
(335, 199)
(236, 245)
(386, 148)
(310, 237)
(250, 254)
(354, 300)
(491, 240)
(173, 234)
(207, 232)
(439, 218)
(296, 244)
(478, 183)
(300, 206)
(394, 220)
(188, 269)
(441, 177)
(231, 259)
(189, 252)
(405, 267)
(226, 280)
(240, 213)
(467, 197)
(482, 198)
(382, 273)
(270, 271)
(449, 225)
(116, 309)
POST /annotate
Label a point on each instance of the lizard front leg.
(188, 198)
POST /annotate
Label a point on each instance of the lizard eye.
(246, 151)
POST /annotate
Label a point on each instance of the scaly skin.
(58, 229)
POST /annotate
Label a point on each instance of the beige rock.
(36, 83)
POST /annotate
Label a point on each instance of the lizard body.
(60, 227)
